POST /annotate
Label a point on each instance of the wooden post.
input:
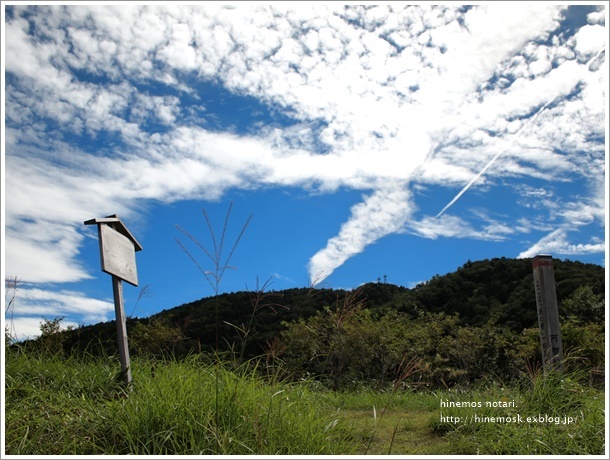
(548, 313)
(121, 329)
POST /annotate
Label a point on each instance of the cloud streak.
(383, 213)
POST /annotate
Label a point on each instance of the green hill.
(493, 290)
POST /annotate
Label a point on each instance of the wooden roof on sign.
(118, 225)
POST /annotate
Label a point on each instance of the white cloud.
(33, 305)
(448, 226)
(179, 53)
(383, 213)
(590, 39)
(44, 302)
(557, 243)
(44, 252)
(597, 17)
(23, 327)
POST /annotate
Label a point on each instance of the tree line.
(479, 321)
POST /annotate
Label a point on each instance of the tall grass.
(548, 399)
(54, 406)
(58, 406)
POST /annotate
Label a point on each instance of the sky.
(342, 144)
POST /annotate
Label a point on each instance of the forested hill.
(499, 290)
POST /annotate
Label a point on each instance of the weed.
(12, 284)
(258, 301)
(214, 277)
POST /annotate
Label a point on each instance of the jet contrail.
(517, 134)
(475, 178)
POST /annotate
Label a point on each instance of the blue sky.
(387, 140)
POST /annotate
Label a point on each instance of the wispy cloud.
(557, 242)
(567, 72)
(33, 305)
(383, 213)
(35, 301)
(567, 217)
(448, 226)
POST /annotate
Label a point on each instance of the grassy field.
(390, 422)
(59, 406)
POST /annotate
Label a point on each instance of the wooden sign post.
(118, 256)
(548, 313)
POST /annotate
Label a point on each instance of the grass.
(538, 425)
(78, 406)
(66, 407)
(409, 423)
(386, 423)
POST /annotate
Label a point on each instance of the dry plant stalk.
(258, 302)
(352, 304)
(12, 284)
(214, 276)
(405, 370)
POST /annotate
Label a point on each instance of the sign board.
(548, 313)
(118, 255)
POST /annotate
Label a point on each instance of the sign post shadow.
(117, 253)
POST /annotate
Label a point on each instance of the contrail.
(517, 134)
(475, 178)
